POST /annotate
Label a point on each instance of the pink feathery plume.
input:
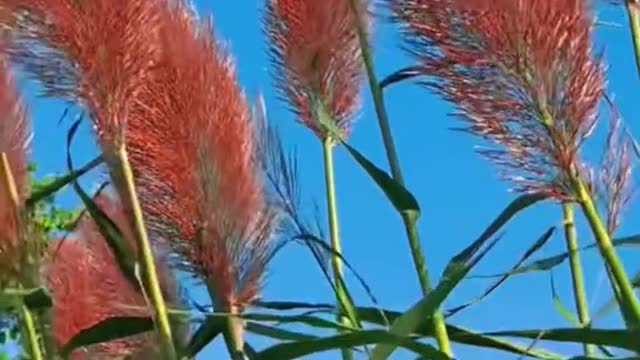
(315, 51)
(95, 53)
(191, 143)
(15, 140)
(521, 75)
(88, 287)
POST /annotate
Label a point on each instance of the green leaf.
(373, 316)
(537, 245)
(108, 330)
(620, 338)
(299, 349)
(276, 333)
(38, 299)
(4, 356)
(398, 195)
(559, 306)
(34, 299)
(119, 246)
(551, 262)
(53, 186)
(458, 267)
(204, 335)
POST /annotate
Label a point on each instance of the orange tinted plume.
(15, 139)
(316, 56)
(96, 52)
(521, 75)
(191, 144)
(88, 287)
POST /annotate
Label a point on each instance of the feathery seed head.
(316, 57)
(97, 53)
(88, 287)
(191, 144)
(521, 75)
(15, 141)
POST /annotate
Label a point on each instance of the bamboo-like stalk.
(575, 264)
(334, 231)
(150, 277)
(633, 12)
(608, 252)
(29, 334)
(410, 223)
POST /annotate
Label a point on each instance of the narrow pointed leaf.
(204, 335)
(60, 182)
(108, 229)
(372, 315)
(300, 349)
(551, 262)
(456, 270)
(398, 195)
(537, 245)
(108, 330)
(276, 333)
(620, 338)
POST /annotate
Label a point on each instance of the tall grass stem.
(410, 224)
(147, 259)
(628, 297)
(579, 293)
(334, 231)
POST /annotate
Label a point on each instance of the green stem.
(410, 224)
(334, 231)
(30, 336)
(149, 272)
(627, 295)
(28, 328)
(234, 336)
(580, 296)
(634, 24)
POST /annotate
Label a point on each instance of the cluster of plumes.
(315, 50)
(15, 139)
(521, 75)
(88, 287)
(152, 75)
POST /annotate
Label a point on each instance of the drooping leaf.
(108, 330)
(398, 195)
(108, 229)
(299, 349)
(537, 245)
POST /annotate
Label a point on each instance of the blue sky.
(458, 191)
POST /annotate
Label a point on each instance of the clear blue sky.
(458, 191)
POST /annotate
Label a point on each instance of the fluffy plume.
(15, 138)
(316, 57)
(191, 141)
(521, 75)
(96, 53)
(146, 67)
(88, 287)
